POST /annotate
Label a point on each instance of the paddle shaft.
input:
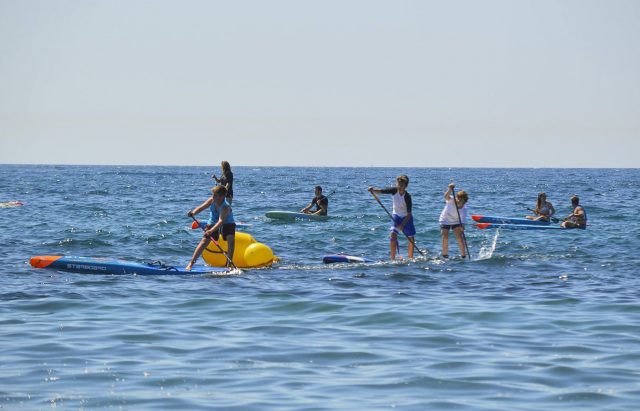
(391, 217)
(464, 237)
(216, 243)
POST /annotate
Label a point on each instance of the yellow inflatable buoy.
(258, 255)
(247, 253)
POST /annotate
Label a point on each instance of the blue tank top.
(214, 214)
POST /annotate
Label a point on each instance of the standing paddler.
(220, 220)
(402, 217)
(453, 217)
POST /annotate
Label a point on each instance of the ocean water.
(537, 320)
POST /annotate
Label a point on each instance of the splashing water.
(486, 252)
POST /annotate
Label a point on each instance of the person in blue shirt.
(220, 220)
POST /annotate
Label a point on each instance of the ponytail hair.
(539, 203)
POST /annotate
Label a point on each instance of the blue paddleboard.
(341, 258)
(506, 220)
(484, 226)
(89, 265)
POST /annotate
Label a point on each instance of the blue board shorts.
(409, 230)
(227, 230)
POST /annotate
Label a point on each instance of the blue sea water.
(537, 320)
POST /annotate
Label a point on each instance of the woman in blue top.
(220, 219)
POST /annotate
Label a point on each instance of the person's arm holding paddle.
(201, 207)
(306, 209)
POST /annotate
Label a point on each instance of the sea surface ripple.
(538, 320)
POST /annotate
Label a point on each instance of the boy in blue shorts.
(402, 217)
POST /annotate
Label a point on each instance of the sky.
(495, 83)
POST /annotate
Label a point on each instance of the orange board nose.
(482, 226)
(195, 225)
(42, 261)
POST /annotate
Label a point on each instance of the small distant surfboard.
(341, 258)
(293, 216)
(8, 204)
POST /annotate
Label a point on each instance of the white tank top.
(449, 215)
(399, 205)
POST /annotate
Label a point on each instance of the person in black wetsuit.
(320, 201)
(226, 180)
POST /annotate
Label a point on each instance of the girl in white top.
(449, 220)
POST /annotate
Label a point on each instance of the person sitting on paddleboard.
(450, 220)
(544, 210)
(320, 201)
(402, 217)
(226, 180)
(578, 218)
(220, 219)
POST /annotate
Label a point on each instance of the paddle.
(464, 237)
(553, 219)
(391, 217)
(216, 243)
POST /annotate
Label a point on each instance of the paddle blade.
(42, 261)
(195, 225)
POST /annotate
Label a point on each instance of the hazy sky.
(335, 83)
